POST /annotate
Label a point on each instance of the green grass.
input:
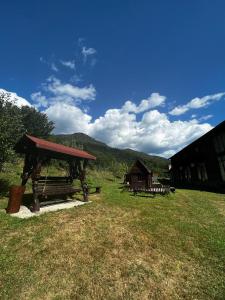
(119, 246)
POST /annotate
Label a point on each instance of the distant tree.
(71, 142)
(36, 123)
(118, 168)
(11, 127)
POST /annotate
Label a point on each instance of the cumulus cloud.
(118, 127)
(68, 118)
(154, 100)
(152, 132)
(196, 103)
(17, 100)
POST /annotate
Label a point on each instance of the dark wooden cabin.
(139, 176)
(201, 165)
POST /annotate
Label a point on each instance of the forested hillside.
(111, 158)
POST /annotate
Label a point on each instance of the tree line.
(16, 121)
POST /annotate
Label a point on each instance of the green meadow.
(118, 246)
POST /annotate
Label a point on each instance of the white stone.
(25, 213)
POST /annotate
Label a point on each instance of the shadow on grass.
(4, 187)
(122, 187)
(27, 199)
(143, 196)
(110, 179)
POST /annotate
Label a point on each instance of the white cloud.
(87, 52)
(196, 103)
(153, 134)
(68, 118)
(14, 98)
(69, 64)
(152, 101)
(161, 136)
(39, 100)
(51, 65)
(54, 91)
(204, 118)
(56, 87)
(116, 128)
(179, 110)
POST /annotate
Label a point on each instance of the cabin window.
(221, 160)
(202, 172)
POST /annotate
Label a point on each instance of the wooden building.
(139, 176)
(201, 165)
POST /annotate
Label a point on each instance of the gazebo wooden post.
(35, 174)
(27, 168)
(82, 177)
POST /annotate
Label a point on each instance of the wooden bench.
(154, 189)
(45, 187)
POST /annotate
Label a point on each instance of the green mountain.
(111, 158)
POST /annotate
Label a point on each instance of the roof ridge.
(55, 147)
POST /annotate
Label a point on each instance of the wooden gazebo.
(38, 151)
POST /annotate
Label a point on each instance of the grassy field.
(119, 246)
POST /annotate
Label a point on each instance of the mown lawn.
(118, 247)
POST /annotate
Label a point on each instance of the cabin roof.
(140, 163)
(200, 139)
(29, 143)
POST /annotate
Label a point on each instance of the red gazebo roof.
(51, 147)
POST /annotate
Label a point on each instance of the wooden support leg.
(98, 190)
(82, 176)
(36, 204)
(85, 197)
(85, 192)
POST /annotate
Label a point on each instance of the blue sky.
(81, 61)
